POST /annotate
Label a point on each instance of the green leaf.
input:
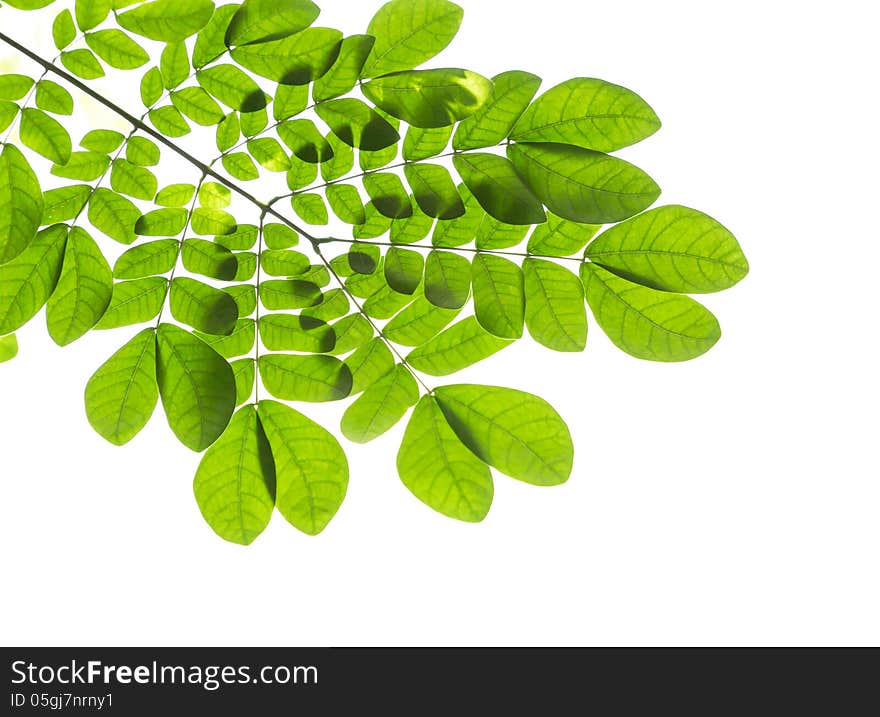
(283, 332)
(117, 49)
(496, 185)
(214, 222)
(269, 153)
(388, 194)
(555, 312)
(517, 433)
(447, 279)
(198, 105)
(15, 86)
(134, 302)
(142, 152)
(371, 161)
(335, 305)
(82, 63)
(311, 467)
(287, 294)
(357, 124)
(83, 292)
(289, 101)
(214, 195)
(492, 124)
(8, 113)
(301, 174)
(295, 60)
(169, 121)
(283, 262)
(410, 32)
(375, 223)
(114, 215)
(243, 238)
(151, 87)
(263, 20)
(385, 303)
(103, 141)
(310, 208)
(561, 237)
(588, 113)
(27, 282)
(85, 166)
(245, 297)
(45, 135)
(462, 230)
(461, 345)
(240, 342)
(203, 307)
(53, 98)
(211, 41)
(674, 249)
(493, 234)
(404, 269)
(313, 379)
(369, 364)
(138, 182)
(228, 132)
(418, 323)
(235, 482)
(438, 468)
(352, 332)
(421, 143)
(583, 185)
(240, 166)
(150, 259)
(363, 258)
(279, 236)
(196, 385)
(647, 323)
(91, 13)
(253, 123)
(346, 203)
(499, 295)
(345, 71)
(381, 406)
(247, 265)
(434, 190)
(167, 20)
(232, 87)
(165, 222)
(304, 139)
(245, 379)
(430, 98)
(174, 64)
(21, 203)
(209, 259)
(121, 395)
(8, 348)
(63, 29)
(64, 203)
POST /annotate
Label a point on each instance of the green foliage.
(477, 214)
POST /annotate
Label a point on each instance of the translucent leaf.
(345, 71)
(247, 265)
(369, 364)
(103, 141)
(8, 113)
(305, 141)
(245, 379)
(52, 97)
(85, 166)
(371, 161)
(388, 194)
(411, 229)
(352, 332)
(167, 20)
(283, 332)
(232, 87)
(240, 166)
(63, 29)
(228, 132)
(212, 222)
(64, 203)
(301, 174)
(169, 121)
(462, 230)
(91, 13)
(312, 379)
(269, 153)
(561, 237)
(310, 208)
(492, 124)
(517, 433)
(117, 49)
(430, 98)
(27, 282)
(134, 302)
(385, 303)
(196, 385)
(253, 123)
(496, 185)
(380, 407)
(121, 395)
(447, 279)
(258, 21)
(583, 185)
(335, 305)
(240, 342)
(165, 222)
(647, 323)
(45, 135)
(174, 64)
(82, 63)
(211, 40)
(409, 32)
(493, 234)
(203, 307)
(286, 294)
(311, 468)
(461, 345)
(235, 482)
(555, 313)
(14, 86)
(289, 101)
(151, 87)
(198, 105)
(142, 152)
(346, 203)
(499, 295)
(404, 269)
(418, 323)
(83, 292)
(279, 236)
(208, 259)
(8, 348)
(434, 190)
(245, 297)
(150, 259)
(138, 182)
(375, 223)
(421, 143)
(283, 263)
(588, 113)
(672, 248)
(357, 124)
(295, 60)
(439, 469)
(114, 215)
(21, 203)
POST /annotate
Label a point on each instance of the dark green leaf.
(447, 279)
(555, 313)
(45, 135)
(203, 307)
(491, 125)
(461, 345)
(295, 60)
(21, 204)
(496, 185)
(167, 20)
(499, 295)
(357, 124)
(404, 269)
(312, 379)
(258, 21)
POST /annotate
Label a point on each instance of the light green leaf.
(499, 295)
(421, 143)
(404, 269)
(211, 41)
(54, 98)
(134, 302)
(517, 433)
(167, 20)
(138, 182)
(213, 222)
(381, 406)
(240, 342)
(198, 105)
(286, 294)
(357, 124)
(117, 49)
(121, 395)
(555, 312)
(8, 348)
(438, 468)
(83, 292)
(228, 132)
(151, 87)
(561, 237)
(279, 236)
(214, 195)
(410, 32)
(493, 234)
(103, 141)
(21, 203)
(301, 174)
(375, 223)
(289, 101)
(295, 60)
(15, 86)
(352, 332)
(174, 64)
(169, 121)
(235, 482)
(447, 279)
(45, 135)
(434, 190)
(588, 113)
(114, 215)
(258, 21)
(346, 203)
(371, 161)
(209, 259)
(196, 385)
(281, 262)
(243, 238)
(283, 332)
(150, 259)
(232, 87)
(583, 185)
(85, 166)
(269, 153)
(82, 63)
(461, 231)
(313, 379)
(27, 282)
(388, 194)
(334, 306)
(304, 139)
(91, 13)
(461, 345)
(647, 323)
(418, 323)
(63, 29)
(165, 222)
(345, 71)
(385, 303)
(491, 125)
(203, 307)
(674, 249)
(430, 98)
(240, 166)
(64, 203)
(310, 208)
(142, 152)
(370, 363)
(496, 185)
(245, 379)
(311, 467)
(245, 297)
(8, 113)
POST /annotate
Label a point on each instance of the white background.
(730, 500)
